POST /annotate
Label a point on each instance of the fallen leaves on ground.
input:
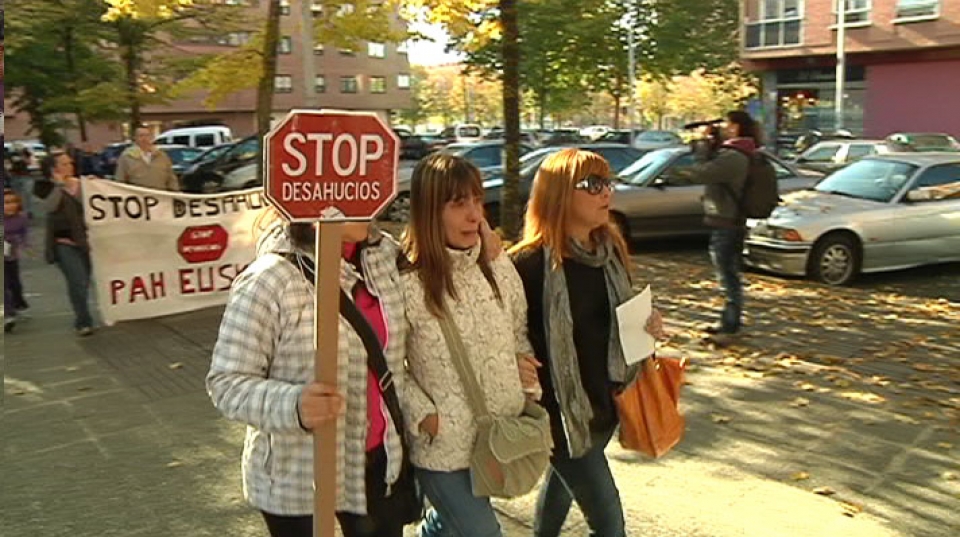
(949, 476)
(174, 464)
(851, 509)
(824, 491)
(944, 445)
(865, 397)
(718, 418)
(800, 402)
(800, 476)
(176, 365)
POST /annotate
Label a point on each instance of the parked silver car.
(881, 213)
(656, 198)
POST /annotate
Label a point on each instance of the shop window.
(918, 9)
(777, 23)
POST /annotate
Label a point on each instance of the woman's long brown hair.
(545, 223)
(437, 180)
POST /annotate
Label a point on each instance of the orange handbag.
(650, 421)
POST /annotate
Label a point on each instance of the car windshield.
(870, 179)
(211, 153)
(648, 166)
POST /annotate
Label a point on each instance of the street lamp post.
(841, 74)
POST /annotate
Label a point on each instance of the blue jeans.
(726, 252)
(456, 511)
(588, 480)
(75, 265)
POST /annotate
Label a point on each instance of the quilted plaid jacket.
(263, 357)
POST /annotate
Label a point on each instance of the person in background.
(574, 265)
(21, 178)
(723, 165)
(66, 241)
(143, 164)
(14, 241)
(262, 375)
(450, 273)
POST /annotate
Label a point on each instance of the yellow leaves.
(944, 445)
(864, 397)
(174, 464)
(800, 402)
(719, 418)
(800, 476)
(824, 491)
(851, 509)
(143, 9)
(176, 365)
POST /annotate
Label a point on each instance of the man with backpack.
(740, 183)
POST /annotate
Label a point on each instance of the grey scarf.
(575, 407)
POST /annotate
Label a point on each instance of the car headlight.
(784, 234)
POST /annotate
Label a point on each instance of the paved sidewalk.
(113, 435)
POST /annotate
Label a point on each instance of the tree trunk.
(510, 206)
(129, 44)
(265, 88)
(542, 108)
(68, 52)
(616, 110)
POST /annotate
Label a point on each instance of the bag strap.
(458, 354)
(376, 361)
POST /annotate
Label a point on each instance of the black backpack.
(760, 194)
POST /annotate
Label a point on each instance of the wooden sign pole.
(326, 343)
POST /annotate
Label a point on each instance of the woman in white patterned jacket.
(450, 274)
(262, 372)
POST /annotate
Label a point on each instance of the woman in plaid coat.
(262, 370)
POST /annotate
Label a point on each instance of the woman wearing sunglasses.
(575, 270)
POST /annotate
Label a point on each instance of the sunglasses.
(594, 184)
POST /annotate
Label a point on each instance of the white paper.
(632, 318)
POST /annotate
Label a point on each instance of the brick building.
(902, 57)
(375, 77)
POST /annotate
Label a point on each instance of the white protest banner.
(157, 253)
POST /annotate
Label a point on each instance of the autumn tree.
(58, 67)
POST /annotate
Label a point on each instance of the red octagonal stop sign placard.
(330, 165)
(202, 244)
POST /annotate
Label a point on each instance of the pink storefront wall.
(915, 97)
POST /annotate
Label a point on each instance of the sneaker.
(9, 323)
(723, 339)
(23, 313)
(85, 331)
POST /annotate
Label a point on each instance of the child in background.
(14, 239)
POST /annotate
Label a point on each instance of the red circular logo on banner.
(202, 244)
(330, 165)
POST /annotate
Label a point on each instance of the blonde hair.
(438, 179)
(545, 223)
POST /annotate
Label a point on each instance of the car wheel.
(835, 259)
(492, 211)
(621, 222)
(399, 209)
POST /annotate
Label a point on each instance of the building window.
(376, 50)
(913, 9)
(285, 45)
(320, 83)
(378, 84)
(403, 81)
(283, 84)
(318, 49)
(402, 48)
(857, 11)
(317, 8)
(349, 84)
(777, 24)
(346, 9)
(284, 7)
(235, 39)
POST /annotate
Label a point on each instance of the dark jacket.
(724, 172)
(63, 212)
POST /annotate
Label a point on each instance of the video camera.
(713, 137)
